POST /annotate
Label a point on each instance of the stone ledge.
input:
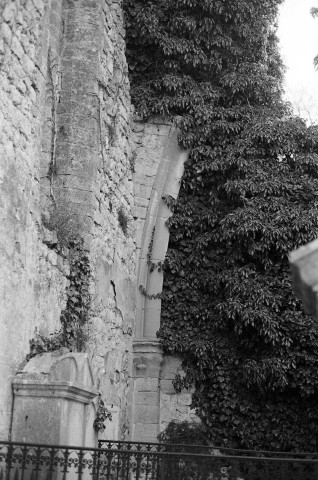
(38, 388)
(146, 345)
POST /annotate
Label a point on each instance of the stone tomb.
(54, 401)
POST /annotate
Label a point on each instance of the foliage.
(123, 221)
(193, 437)
(75, 317)
(102, 415)
(188, 433)
(248, 197)
(153, 265)
(314, 13)
(41, 343)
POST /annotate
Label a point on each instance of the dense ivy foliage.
(249, 196)
(186, 433)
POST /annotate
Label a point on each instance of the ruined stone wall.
(65, 170)
(71, 167)
(173, 406)
(113, 245)
(32, 276)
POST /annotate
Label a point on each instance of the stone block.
(6, 32)
(139, 233)
(164, 211)
(184, 399)
(167, 387)
(145, 191)
(141, 201)
(147, 365)
(154, 287)
(145, 384)
(152, 322)
(146, 433)
(9, 12)
(146, 413)
(139, 212)
(145, 398)
(137, 188)
(170, 367)
(143, 179)
(145, 169)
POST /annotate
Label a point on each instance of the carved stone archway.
(159, 165)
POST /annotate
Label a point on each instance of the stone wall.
(114, 248)
(32, 275)
(71, 167)
(173, 406)
(66, 171)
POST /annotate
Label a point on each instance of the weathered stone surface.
(32, 277)
(158, 168)
(71, 166)
(147, 433)
(173, 406)
(146, 385)
(145, 398)
(58, 388)
(65, 157)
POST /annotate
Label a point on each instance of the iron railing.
(144, 461)
(201, 449)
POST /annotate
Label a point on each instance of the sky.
(298, 34)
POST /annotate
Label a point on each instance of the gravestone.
(54, 401)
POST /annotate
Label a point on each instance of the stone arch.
(159, 164)
(165, 170)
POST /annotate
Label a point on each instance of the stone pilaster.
(147, 360)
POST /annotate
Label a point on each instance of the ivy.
(150, 296)
(123, 221)
(42, 343)
(102, 415)
(248, 197)
(75, 317)
(183, 432)
(153, 265)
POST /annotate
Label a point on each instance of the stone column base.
(147, 360)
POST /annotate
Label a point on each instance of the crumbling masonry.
(75, 163)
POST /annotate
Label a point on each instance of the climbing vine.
(248, 197)
(75, 317)
(102, 415)
(152, 267)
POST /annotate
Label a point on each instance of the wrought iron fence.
(144, 461)
(201, 449)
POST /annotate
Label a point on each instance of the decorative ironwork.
(147, 461)
(195, 449)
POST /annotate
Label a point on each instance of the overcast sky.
(298, 33)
